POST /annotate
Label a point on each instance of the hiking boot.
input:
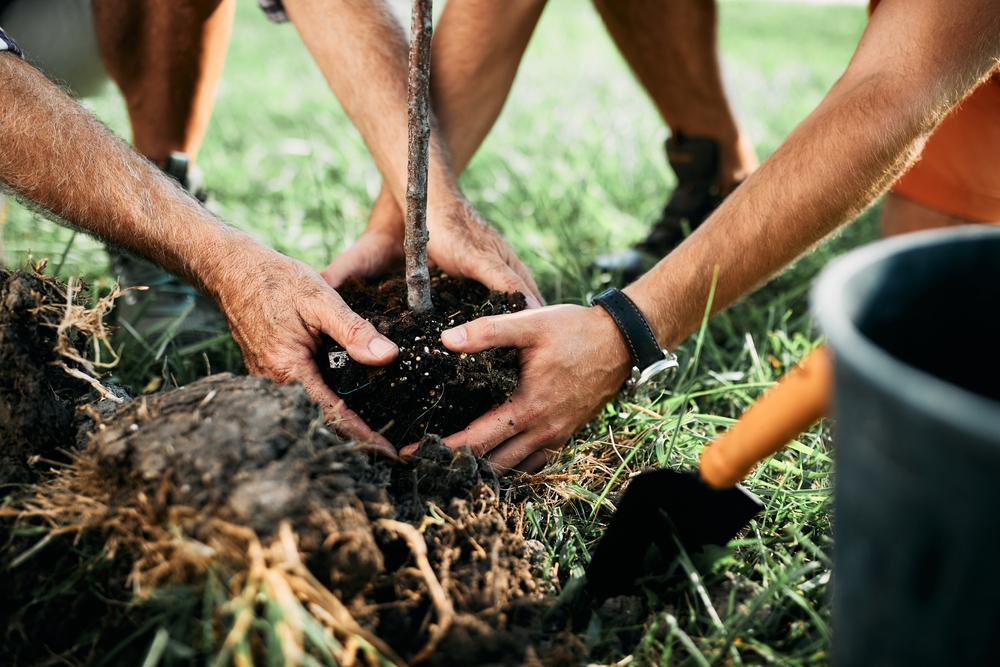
(695, 161)
(189, 175)
(170, 310)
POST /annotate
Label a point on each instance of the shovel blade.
(658, 505)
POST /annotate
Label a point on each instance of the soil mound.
(246, 451)
(165, 480)
(427, 389)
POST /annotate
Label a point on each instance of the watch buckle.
(632, 382)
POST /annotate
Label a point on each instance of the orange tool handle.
(785, 410)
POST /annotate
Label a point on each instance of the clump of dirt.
(168, 475)
(492, 574)
(428, 389)
(38, 399)
(236, 480)
(248, 452)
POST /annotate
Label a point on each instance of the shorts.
(958, 171)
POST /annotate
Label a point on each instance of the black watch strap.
(639, 337)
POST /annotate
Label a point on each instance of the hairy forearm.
(825, 173)
(831, 167)
(56, 155)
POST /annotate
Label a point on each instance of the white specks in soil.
(338, 359)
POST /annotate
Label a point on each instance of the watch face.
(655, 379)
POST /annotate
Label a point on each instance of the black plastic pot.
(914, 325)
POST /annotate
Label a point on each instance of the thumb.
(486, 332)
(358, 336)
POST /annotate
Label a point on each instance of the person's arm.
(916, 59)
(58, 156)
(475, 55)
(362, 52)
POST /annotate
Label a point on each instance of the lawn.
(574, 166)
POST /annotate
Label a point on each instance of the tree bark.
(418, 283)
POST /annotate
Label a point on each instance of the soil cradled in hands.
(427, 389)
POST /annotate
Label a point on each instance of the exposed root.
(442, 603)
(93, 382)
(90, 322)
(304, 582)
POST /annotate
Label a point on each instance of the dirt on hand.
(428, 389)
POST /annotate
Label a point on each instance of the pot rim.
(949, 403)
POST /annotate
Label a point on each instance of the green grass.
(575, 166)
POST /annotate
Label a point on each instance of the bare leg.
(362, 51)
(166, 57)
(476, 52)
(671, 46)
(902, 216)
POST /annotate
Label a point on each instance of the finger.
(496, 426)
(372, 254)
(358, 336)
(342, 418)
(535, 461)
(495, 274)
(381, 449)
(526, 451)
(486, 332)
(529, 280)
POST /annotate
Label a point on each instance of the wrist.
(226, 260)
(652, 367)
(614, 355)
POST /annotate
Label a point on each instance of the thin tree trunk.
(418, 282)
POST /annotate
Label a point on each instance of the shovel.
(708, 506)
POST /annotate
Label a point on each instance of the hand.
(461, 243)
(573, 361)
(464, 245)
(277, 307)
(377, 251)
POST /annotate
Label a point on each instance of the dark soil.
(38, 400)
(251, 453)
(247, 452)
(154, 477)
(427, 389)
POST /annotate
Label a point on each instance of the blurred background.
(574, 166)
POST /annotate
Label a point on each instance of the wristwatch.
(652, 366)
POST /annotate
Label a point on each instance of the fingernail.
(532, 301)
(380, 347)
(454, 336)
